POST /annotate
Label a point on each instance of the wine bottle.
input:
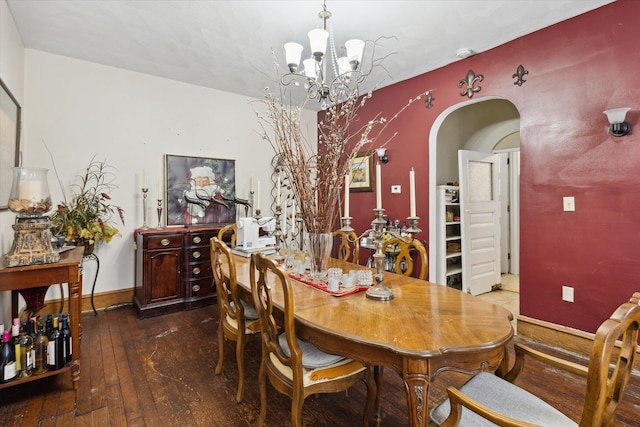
(15, 341)
(54, 351)
(41, 344)
(7, 359)
(26, 355)
(66, 339)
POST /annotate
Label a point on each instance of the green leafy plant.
(88, 217)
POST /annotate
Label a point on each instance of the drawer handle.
(196, 270)
(197, 239)
(164, 242)
(196, 288)
(197, 254)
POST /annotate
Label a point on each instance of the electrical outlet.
(567, 293)
(569, 203)
(396, 189)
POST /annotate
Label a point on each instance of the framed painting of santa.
(199, 191)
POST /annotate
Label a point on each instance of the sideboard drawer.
(163, 241)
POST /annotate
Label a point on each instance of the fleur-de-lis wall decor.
(468, 82)
(428, 101)
(520, 73)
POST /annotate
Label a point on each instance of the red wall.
(577, 69)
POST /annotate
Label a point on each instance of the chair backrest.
(635, 298)
(349, 247)
(402, 246)
(224, 276)
(234, 233)
(266, 280)
(605, 387)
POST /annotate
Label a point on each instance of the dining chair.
(404, 264)
(349, 246)
(237, 318)
(294, 367)
(233, 228)
(487, 399)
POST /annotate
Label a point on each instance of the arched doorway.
(489, 125)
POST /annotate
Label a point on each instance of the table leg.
(95, 278)
(75, 312)
(416, 381)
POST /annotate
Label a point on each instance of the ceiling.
(231, 45)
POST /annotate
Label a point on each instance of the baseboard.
(100, 301)
(561, 337)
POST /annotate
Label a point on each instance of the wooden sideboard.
(173, 269)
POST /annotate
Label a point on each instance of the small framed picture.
(361, 168)
(199, 190)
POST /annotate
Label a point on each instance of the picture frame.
(10, 118)
(199, 191)
(361, 169)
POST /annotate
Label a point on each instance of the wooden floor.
(160, 372)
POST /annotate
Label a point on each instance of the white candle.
(284, 220)
(258, 196)
(378, 187)
(346, 195)
(159, 190)
(278, 192)
(251, 184)
(412, 192)
(144, 178)
(293, 216)
(30, 190)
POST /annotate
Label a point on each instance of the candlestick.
(412, 193)
(378, 187)
(278, 235)
(144, 208)
(346, 195)
(379, 292)
(159, 227)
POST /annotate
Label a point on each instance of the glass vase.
(319, 247)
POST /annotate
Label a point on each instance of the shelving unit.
(449, 237)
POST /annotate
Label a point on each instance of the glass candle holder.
(29, 196)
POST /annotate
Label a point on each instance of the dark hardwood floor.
(160, 372)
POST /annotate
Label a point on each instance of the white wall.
(12, 74)
(82, 109)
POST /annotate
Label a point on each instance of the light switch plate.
(396, 189)
(569, 203)
(567, 293)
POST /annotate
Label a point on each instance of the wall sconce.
(616, 118)
(382, 155)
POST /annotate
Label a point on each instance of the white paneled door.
(480, 207)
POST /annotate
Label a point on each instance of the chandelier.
(329, 78)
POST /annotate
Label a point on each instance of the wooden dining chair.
(237, 318)
(349, 247)
(404, 264)
(233, 228)
(294, 367)
(487, 399)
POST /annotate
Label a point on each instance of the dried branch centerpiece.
(317, 175)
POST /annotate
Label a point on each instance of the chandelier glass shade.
(329, 78)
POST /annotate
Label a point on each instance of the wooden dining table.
(424, 330)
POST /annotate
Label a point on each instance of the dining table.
(424, 330)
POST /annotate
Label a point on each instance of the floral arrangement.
(87, 219)
(317, 179)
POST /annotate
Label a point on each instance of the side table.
(67, 270)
